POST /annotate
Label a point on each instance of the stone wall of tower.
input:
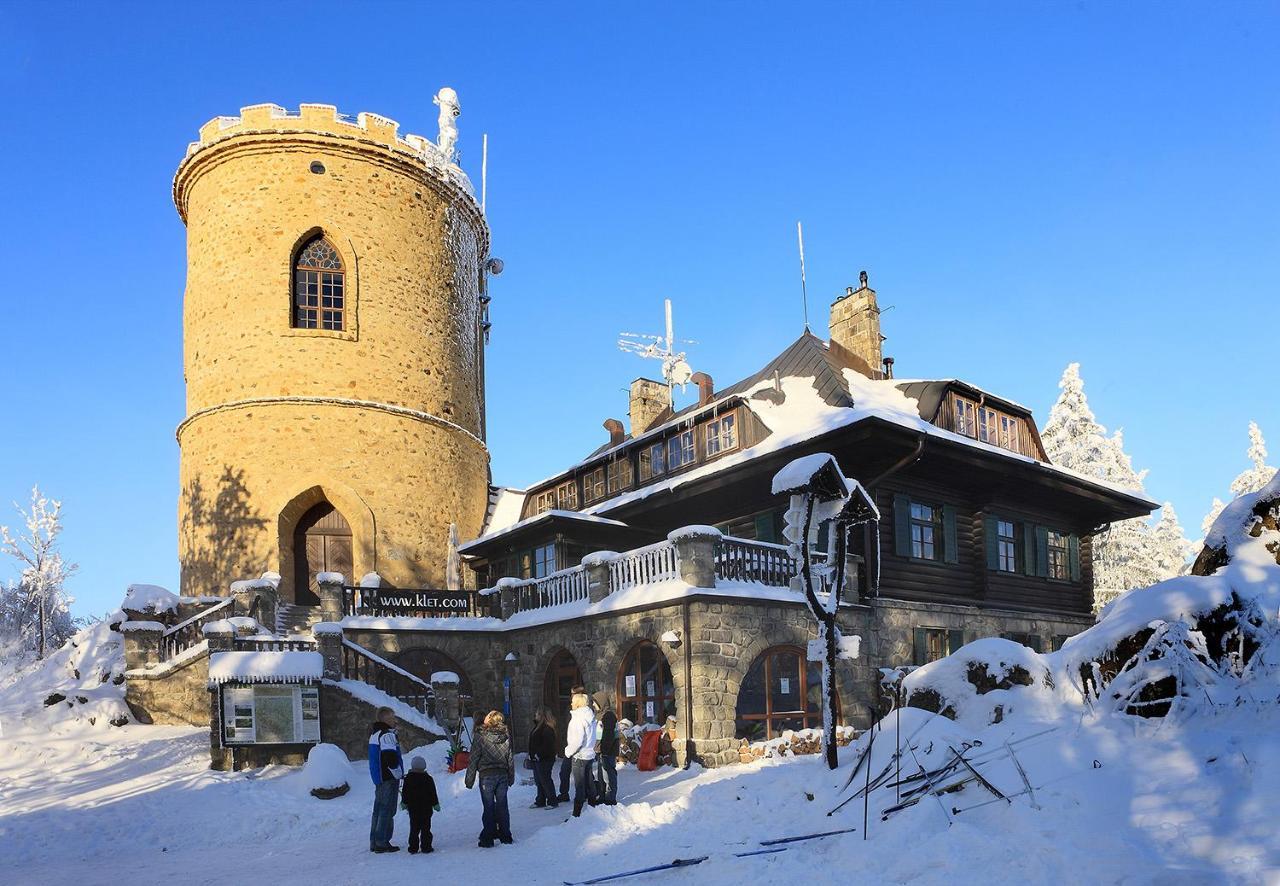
(384, 419)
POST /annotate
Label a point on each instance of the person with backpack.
(580, 747)
(386, 767)
(542, 753)
(493, 762)
(418, 797)
(607, 750)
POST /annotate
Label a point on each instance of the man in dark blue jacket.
(386, 767)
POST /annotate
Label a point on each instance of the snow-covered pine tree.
(1124, 556)
(37, 608)
(1172, 547)
(1254, 478)
(1214, 510)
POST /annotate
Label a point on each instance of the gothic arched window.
(319, 287)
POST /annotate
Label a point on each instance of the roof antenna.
(804, 293)
(484, 171)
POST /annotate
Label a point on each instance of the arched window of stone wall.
(319, 287)
(781, 691)
(646, 691)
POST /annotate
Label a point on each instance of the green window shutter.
(950, 550)
(902, 525)
(990, 537)
(1042, 552)
(764, 528)
(955, 639)
(1073, 548)
(1029, 548)
(1033, 642)
(919, 646)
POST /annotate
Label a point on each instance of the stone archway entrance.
(321, 543)
(562, 675)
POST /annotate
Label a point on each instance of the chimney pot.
(706, 388)
(616, 432)
(848, 290)
(888, 367)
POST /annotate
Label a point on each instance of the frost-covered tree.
(1260, 474)
(1171, 546)
(1124, 555)
(37, 609)
(1214, 510)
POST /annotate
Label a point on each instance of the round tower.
(333, 350)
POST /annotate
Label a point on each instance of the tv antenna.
(675, 368)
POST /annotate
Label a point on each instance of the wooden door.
(322, 543)
(562, 675)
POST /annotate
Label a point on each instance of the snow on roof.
(1230, 529)
(149, 598)
(265, 667)
(444, 677)
(545, 515)
(505, 504)
(802, 471)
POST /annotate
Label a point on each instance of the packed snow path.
(1170, 803)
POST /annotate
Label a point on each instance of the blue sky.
(1027, 184)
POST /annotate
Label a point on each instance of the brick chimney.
(649, 399)
(706, 388)
(855, 328)
(616, 432)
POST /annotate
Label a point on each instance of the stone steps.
(294, 619)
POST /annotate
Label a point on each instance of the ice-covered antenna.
(804, 293)
(675, 368)
(484, 171)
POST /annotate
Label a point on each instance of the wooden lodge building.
(652, 569)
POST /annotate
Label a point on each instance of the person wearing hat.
(418, 797)
(607, 748)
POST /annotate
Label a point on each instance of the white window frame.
(682, 451)
(237, 699)
(722, 435)
(653, 461)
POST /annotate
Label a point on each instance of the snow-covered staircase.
(294, 619)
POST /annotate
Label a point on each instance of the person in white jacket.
(580, 747)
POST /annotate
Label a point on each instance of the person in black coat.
(607, 752)
(542, 752)
(419, 798)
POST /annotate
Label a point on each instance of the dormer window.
(619, 476)
(982, 422)
(567, 496)
(319, 287)
(593, 486)
(653, 461)
(680, 451)
(722, 435)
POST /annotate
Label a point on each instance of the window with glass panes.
(722, 434)
(646, 692)
(618, 475)
(544, 501)
(319, 287)
(1059, 556)
(931, 644)
(653, 461)
(680, 450)
(926, 531)
(1007, 547)
(781, 691)
(593, 485)
(567, 496)
(966, 417)
(544, 560)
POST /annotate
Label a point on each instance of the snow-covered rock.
(153, 599)
(327, 772)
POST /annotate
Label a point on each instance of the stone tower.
(334, 329)
(855, 328)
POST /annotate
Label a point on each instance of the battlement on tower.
(325, 120)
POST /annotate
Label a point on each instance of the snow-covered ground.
(1169, 804)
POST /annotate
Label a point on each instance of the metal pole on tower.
(670, 333)
(804, 293)
(484, 171)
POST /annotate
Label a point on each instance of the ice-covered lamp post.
(821, 493)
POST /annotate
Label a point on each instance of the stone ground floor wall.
(171, 696)
(720, 638)
(345, 721)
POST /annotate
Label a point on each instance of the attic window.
(593, 486)
(981, 422)
(653, 461)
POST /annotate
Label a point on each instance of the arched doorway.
(646, 691)
(782, 690)
(321, 543)
(557, 688)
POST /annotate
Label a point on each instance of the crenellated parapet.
(323, 123)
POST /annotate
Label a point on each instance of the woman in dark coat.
(492, 761)
(542, 751)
